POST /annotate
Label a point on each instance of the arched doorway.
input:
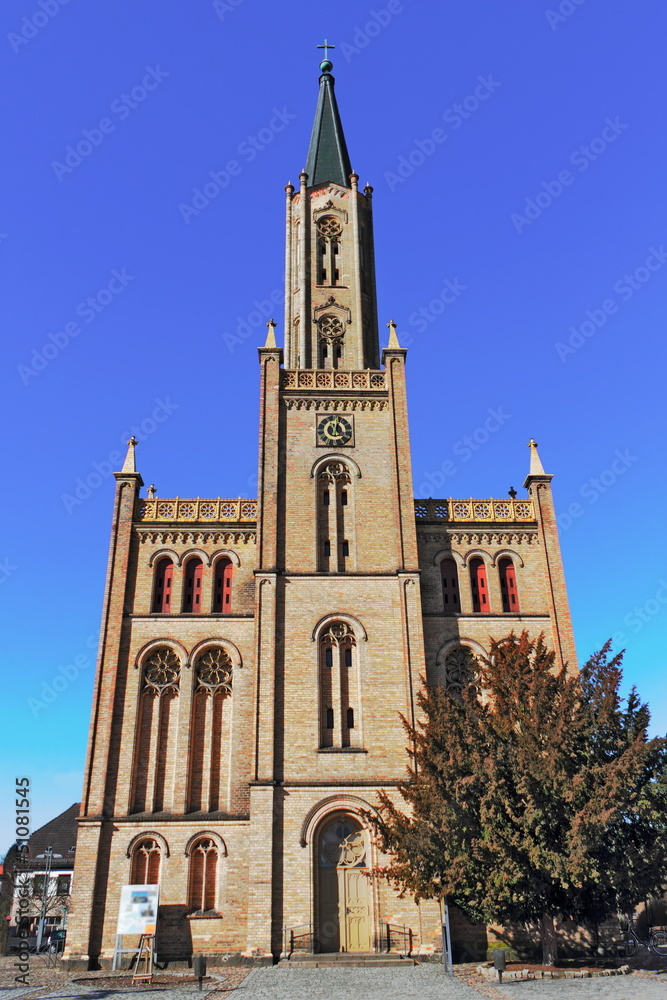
(344, 890)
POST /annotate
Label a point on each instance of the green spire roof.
(328, 159)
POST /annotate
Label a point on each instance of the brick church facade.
(255, 654)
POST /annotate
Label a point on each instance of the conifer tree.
(532, 793)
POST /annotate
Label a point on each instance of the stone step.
(349, 960)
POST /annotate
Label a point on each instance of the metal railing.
(474, 510)
(299, 939)
(395, 937)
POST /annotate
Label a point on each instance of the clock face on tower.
(333, 430)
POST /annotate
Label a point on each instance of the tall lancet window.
(479, 585)
(146, 863)
(329, 231)
(339, 687)
(162, 580)
(508, 587)
(155, 745)
(335, 519)
(210, 731)
(192, 590)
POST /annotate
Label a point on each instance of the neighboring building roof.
(59, 833)
(328, 159)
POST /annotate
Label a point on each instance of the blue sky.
(518, 158)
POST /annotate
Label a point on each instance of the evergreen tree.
(532, 794)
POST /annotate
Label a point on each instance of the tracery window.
(155, 744)
(479, 585)
(203, 876)
(508, 585)
(210, 730)
(329, 231)
(339, 686)
(145, 863)
(460, 669)
(335, 519)
(331, 330)
(162, 577)
(450, 585)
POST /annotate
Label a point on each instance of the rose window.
(461, 669)
(330, 327)
(329, 228)
(162, 670)
(214, 671)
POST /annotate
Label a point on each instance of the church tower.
(256, 655)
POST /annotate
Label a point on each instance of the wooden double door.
(345, 921)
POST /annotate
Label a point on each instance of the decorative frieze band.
(309, 403)
(474, 510)
(303, 378)
(156, 509)
(479, 537)
(167, 536)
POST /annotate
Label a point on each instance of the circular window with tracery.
(329, 228)
(461, 669)
(214, 671)
(330, 327)
(343, 845)
(162, 670)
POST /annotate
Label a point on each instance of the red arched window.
(194, 576)
(508, 587)
(479, 585)
(164, 572)
(450, 585)
(222, 587)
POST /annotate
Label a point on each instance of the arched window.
(335, 519)
(210, 731)
(203, 876)
(508, 587)
(164, 572)
(479, 585)
(146, 863)
(192, 589)
(339, 686)
(155, 745)
(222, 586)
(450, 585)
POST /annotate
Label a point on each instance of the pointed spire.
(536, 467)
(271, 334)
(129, 465)
(393, 344)
(328, 159)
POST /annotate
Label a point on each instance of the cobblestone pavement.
(425, 982)
(636, 987)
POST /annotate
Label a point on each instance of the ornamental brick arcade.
(255, 654)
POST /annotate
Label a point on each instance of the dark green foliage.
(532, 794)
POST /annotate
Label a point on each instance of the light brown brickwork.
(245, 765)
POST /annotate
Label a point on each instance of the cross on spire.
(326, 47)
